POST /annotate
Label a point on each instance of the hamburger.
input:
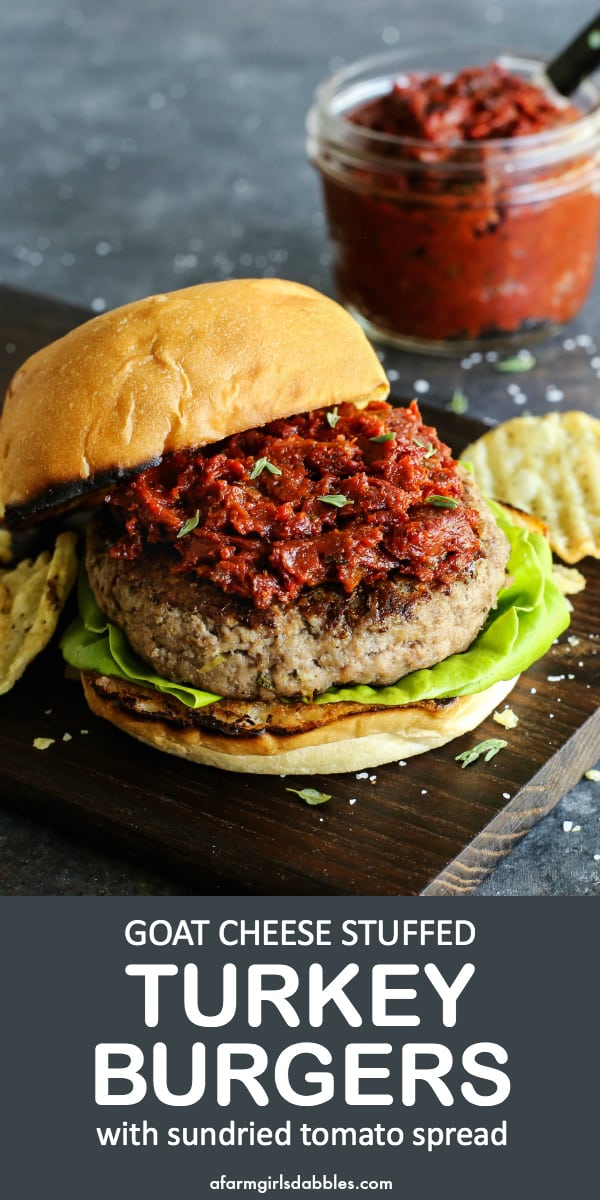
(282, 572)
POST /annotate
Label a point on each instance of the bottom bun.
(352, 737)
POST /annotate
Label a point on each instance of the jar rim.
(336, 124)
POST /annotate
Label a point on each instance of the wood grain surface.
(428, 827)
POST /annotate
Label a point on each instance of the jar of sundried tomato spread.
(463, 204)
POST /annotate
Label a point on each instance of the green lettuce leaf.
(529, 615)
(92, 643)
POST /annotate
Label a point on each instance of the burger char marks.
(341, 496)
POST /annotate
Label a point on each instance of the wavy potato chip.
(568, 580)
(32, 595)
(550, 467)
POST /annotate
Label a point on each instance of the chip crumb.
(506, 795)
(362, 775)
(402, 763)
(567, 826)
(597, 858)
(572, 640)
(555, 678)
(47, 712)
(507, 718)
(352, 800)
(84, 731)
(42, 743)
(372, 778)
(67, 737)
(594, 775)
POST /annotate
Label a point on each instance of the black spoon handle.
(578, 60)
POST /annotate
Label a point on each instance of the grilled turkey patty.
(191, 632)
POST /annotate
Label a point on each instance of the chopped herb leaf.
(459, 402)
(310, 795)
(263, 464)
(336, 501)
(521, 362)
(189, 524)
(333, 417)
(593, 39)
(488, 749)
(442, 501)
(383, 437)
(428, 446)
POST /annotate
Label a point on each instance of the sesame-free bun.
(172, 372)
(349, 739)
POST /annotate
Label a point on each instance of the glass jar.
(445, 248)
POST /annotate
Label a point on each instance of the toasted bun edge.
(170, 372)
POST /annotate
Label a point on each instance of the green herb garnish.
(310, 795)
(488, 749)
(441, 501)
(428, 446)
(521, 362)
(263, 464)
(333, 417)
(459, 402)
(383, 437)
(336, 501)
(593, 39)
(189, 524)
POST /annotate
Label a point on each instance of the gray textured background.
(149, 144)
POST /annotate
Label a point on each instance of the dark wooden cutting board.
(428, 827)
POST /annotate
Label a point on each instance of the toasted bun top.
(172, 372)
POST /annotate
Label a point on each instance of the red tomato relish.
(341, 496)
(468, 231)
(478, 103)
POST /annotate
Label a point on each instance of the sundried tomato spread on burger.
(283, 571)
(334, 546)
